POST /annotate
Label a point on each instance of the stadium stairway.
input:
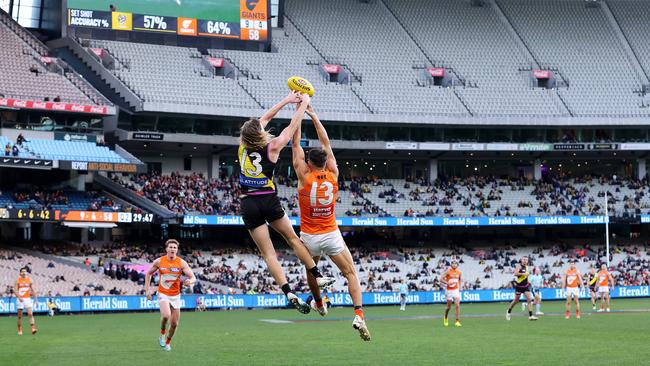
(133, 198)
(93, 70)
(627, 46)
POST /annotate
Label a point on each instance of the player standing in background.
(452, 281)
(258, 154)
(403, 294)
(317, 189)
(604, 280)
(572, 283)
(24, 290)
(170, 268)
(592, 282)
(536, 283)
(522, 286)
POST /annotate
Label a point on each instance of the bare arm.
(16, 292)
(443, 279)
(298, 155)
(518, 269)
(324, 141)
(282, 140)
(580, 281)
(187, 271)
(564, 281)
(147, 277)
(268, 116)
(33, 292)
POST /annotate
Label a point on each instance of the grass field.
(221, 10)
(413, 337)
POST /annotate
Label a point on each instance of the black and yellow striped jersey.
(256, 171)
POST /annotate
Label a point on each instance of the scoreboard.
(245, 20)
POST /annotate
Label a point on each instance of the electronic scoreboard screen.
(245, 20)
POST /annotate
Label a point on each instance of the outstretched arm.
(293, 97)
(298, 155)
(278, 143)
(324, 141)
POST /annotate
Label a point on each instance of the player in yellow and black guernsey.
(522, 286)
(258, 154)
(592, 282)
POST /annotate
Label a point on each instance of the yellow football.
(301, 85)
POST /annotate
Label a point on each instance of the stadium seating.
(172, 75)
(507, 39)
(58, 200)
(500, 69)
(372, 43)
(238, 270)
(631, 16)
(454, 197)
(582, 44)
(25, 77)
(72, 150)
(268, 74)
(51, 277)
(64, 150)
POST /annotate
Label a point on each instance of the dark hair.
(318, 157)
(23, 269)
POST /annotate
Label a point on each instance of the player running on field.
(592, 282)
(452, 281)
(536, 283)
(572, 283)
(258, 154)
(604, 287)
(317, 190)
(24, 291)
(170, 268)
(522, 286)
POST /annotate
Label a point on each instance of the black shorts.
(258, 210)
(593, 288)
(522, 289)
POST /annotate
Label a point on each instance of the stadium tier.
(30, 74)
(62, 150)
(454, 197)
(58, 200)
(242, 271)
(510, 40)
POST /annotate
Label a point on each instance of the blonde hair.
(253, 136)
(172, 241)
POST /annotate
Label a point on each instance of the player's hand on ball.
(305, 99)
(292, 97)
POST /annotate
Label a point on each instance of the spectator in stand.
(8, 149)
(15, 151)
(57, 99)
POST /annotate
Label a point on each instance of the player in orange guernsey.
(317, 189)
(605, 284)
(452, 281)
(170, 268)
(572, 283)
(24, 291)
